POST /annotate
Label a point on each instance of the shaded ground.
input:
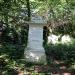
(56, 68)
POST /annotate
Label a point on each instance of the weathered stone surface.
(35, 51)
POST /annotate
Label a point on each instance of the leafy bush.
(14, 51)
(61, 52)
(10, 35)
(8, 66)
(12, 45)
(64, 29)
(15, 34)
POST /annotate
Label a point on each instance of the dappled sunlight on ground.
(53, 39)
(65, 39)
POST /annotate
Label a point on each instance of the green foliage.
(62, 52)
(14, 51)
(15, 35)
(24, 34)
(64, 29)
(11, 10)
(9, 35)
(9, 66)
(61, 21)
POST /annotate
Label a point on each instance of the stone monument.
(35, 51)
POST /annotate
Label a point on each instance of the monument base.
(35, 56)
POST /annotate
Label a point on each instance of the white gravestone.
(35, 51)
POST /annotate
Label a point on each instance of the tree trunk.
(28, 9)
